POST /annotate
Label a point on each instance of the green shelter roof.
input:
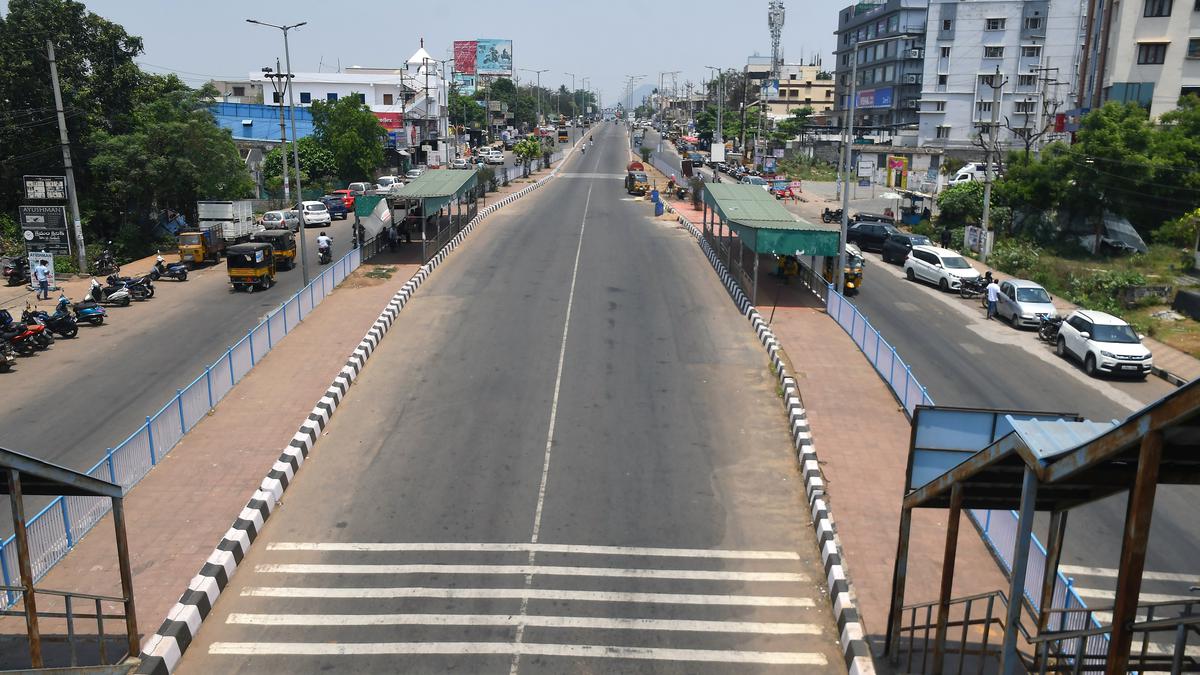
(438, 187)
(764, 224)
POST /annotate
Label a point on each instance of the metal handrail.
(1142, 627)
(49, 591)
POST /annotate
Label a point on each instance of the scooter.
(16, 271)
(324, 254)
(85, 310)
(161, 269)
(98, 294)
(60, 321)
(34, 334)
(828, 216)
(141, 288)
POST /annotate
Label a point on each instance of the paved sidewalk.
(180, 510)
(863, 463)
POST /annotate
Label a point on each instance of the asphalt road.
(67, 405)
(965, 360)
(568, 446)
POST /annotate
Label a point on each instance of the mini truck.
(220, 224)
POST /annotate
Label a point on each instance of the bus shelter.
(740, 219)
(440, 202)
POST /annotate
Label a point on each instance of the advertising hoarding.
(494, 57)
(874, 98)
(44, 228)
(45, 187)
(464, 83)
(464, 56)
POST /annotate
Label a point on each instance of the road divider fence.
(55, 529)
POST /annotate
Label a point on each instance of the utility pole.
(539, 89)
(64, 140)
(997, 86)
(278, 79)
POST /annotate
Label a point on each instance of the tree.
(316, 162)
(962, 203)
(465, 110)
(351, 133)
(528, 149)
(794, 125)
(173, 155)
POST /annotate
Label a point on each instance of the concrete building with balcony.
(1035, 45)
(1145, 51)
(887, 39)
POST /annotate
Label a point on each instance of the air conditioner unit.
(247, 123)
(912, 79)
(915, 53)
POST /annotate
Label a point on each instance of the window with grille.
(1031, 51)
(1035, 22)
(993, 52)
(995, 24)
(1027, 81)
(1158, 8)
(946, 50)
(947, 24)
(306, 97)
(1151, 54)
(1193, 51)
(943, 132)
(1025, 106)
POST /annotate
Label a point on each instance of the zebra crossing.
(1096, 586)
(488, 605)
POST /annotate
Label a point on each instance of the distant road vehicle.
(460, 163)
(347, 197)
(870, 235)
(897, 246)
(337, 209)
(1104, 344)
(413, 173)
(316, 213)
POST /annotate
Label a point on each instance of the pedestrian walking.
(41, 274)
(993, 296)
(945, 236)
(393, 238)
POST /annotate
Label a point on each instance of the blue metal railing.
(56, 529)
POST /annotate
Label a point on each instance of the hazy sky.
(604, 40)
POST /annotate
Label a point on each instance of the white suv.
(939, 266)
(1105, 344)
(316, 213)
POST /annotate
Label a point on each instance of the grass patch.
(380, 272)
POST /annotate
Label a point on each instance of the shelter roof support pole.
(131, 631)
(1010, 662)
(1138, 513)
(943, 615)
(899, 577)
(1058, 530)
(31, 620)
(754, 288)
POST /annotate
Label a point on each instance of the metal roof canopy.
(762, 222)
(46, 479)
(438, 187)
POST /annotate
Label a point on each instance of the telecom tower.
(775, 14)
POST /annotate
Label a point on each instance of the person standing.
(41, 274)
(993, 296)
(945, 236)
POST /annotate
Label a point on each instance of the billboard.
(494, 57)
(465, 84)
(464, 56)
(874, 98)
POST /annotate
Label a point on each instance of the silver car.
(1024, 303)
(281, 220)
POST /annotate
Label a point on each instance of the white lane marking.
(1143, 598)
(514, 648)
(1081, 570)
(541, 621)
(608, 176)
(526, 593)
(539, 548)
(562, 356)
(534, 570)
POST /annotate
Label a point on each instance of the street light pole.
(574, 98)
(277, 78)
(287, 60)
(539, 87)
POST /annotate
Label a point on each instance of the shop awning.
(765, 225)
(438, 187)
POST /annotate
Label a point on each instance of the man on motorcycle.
(324, 246)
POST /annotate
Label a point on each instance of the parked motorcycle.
(7, 357)
(970, 288)
(829, 216)
(100, 295)
(85, 310)
(106, 264)
(177, 271)
(141, 288)
(18, 334)
(16, 271)
(60, 322)
(1048, 328)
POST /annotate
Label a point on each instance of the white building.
(1036, 45)
(1148, 52)
(385, 93)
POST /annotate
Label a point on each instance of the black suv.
(870, 235)
(897, 247)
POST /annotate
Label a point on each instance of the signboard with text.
(874, 98)
(44, 228)
(866, 168)
(45, 187)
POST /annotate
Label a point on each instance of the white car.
(460, 163)
(316, 213)
(385, 183)
(757, 180)
(412, 174)
(1105, 344)
(493, 156)
(941, 267)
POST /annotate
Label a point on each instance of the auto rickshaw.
(251, 265)
(853, 269)
(283, 244)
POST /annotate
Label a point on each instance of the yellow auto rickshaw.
(251, 265)
(283, 242)
(853, 269)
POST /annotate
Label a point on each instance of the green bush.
(1180, 231)
(1015, 256)
(645, 153)
(1099, 290)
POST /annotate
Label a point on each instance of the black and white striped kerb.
(162, 651)
(841, 593)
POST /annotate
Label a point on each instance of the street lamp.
(846, 154)
(720, 137)
(539, 86)
(279, 82)
(574, 98)
(287, 56)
